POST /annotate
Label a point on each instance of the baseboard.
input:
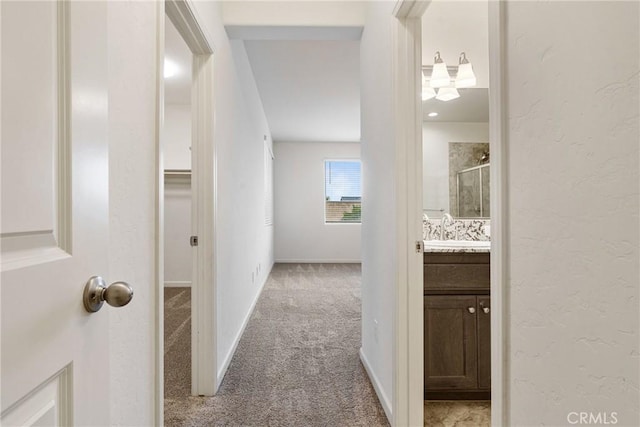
(318, 261)
(177, 284)
(384, 400)
(227, 360)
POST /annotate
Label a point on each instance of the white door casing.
(55, 212)
(204, 378)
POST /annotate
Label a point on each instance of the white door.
(55, 207)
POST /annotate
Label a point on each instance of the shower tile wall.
(463, 155)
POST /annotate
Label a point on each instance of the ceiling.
(310, 89)
(177, 89)
(308, 78)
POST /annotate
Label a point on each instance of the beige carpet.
(297, 363)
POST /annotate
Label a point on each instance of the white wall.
(378, 199)
(177, 136)
(301, 234)
(132, 175)
(178, 254)
(244, 242)
(436, 137)
(573, 179)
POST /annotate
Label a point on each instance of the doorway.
(186, 208)
(408, 389)
(456, 213)
(179, 263)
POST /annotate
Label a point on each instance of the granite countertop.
(456, 246)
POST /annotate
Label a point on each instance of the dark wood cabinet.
(450, 343)
(457, 341)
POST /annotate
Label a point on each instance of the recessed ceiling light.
(434, 114)
(170, 68)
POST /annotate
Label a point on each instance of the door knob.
(96, 293)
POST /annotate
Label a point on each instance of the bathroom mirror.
(456, 157)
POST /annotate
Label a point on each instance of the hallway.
(296, 364)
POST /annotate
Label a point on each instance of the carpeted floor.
(297, 363)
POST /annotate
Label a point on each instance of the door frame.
(184, 17)
(408, 360)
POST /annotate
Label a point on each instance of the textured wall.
(572, 106)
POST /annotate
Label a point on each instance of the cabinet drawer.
(457, 276)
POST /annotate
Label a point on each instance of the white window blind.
(268, 184)
(342, 191)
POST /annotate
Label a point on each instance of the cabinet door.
(450, 343)
(484, 342)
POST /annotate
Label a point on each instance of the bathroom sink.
(457, 244)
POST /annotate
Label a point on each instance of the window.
(342, 191)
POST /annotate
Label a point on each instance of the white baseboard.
(318, 261)
(227, 360)
(384, 400)
(177, 284)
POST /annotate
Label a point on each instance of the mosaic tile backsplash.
(459, 229)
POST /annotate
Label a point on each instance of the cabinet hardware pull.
(471, 310)
(485, 309)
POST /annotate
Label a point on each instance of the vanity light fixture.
(433, 114)
(440, 75)
(428, 92)
(447, 94)
(465, 76)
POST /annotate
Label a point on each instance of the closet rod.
(177, 172)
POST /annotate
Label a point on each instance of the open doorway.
(178, 224)
(461, 274)
(187, 212)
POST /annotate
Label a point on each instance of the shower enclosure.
(472, 185)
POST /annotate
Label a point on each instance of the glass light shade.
(447, 94)
(440, 76)
(428, 93)
(465, 77)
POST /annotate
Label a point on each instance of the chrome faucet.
(445, 218)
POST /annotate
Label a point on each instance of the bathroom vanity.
(457, 306)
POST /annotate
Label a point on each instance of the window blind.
(343, 191)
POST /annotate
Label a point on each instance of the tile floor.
(462, 413)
